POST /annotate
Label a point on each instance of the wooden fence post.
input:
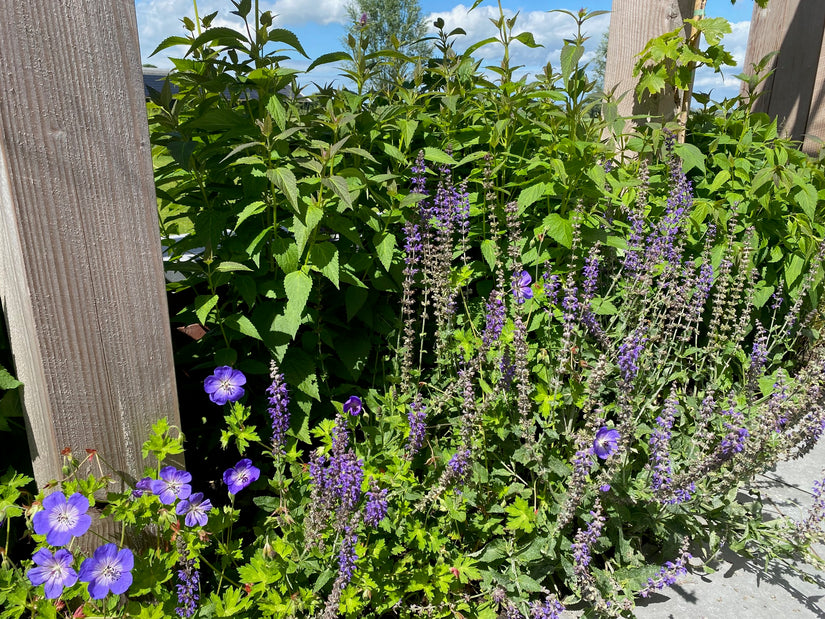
(81, 272)
(795, 93)
(632, 24)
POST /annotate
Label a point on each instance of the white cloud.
(296, 12)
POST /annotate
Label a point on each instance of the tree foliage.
(390, 24)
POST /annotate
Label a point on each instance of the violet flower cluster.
(278, 406)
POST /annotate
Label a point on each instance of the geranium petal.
(122, 584)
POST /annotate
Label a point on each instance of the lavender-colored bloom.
(53, 571)
(585, 538)
(521, 287)
(667, 575)
(376, 508)
(353, 405)
(550, 282)
(278, 406)
(339, 477)
(109, 569)
(606, 442)
(225, 385)
(144, 485)
(348, 555)
(459, 466)
(494, 320)
(734, 440)
(173, 484)
(660, 448)
(759, 354)
(363, 20)
(62, 519)
(550, 608)
(241, 475)
(591, 275)
(189, 580)
(628, 356)
(508, 371)
(417, 418)
(196, 509)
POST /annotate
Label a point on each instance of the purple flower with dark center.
(606, 442)
(173, 484)
(278, 406)
(62, 519)
(108, 570)
(195, 508)
(241, 475)
(353, 405)
(521, 287)
(363, 20)
(53, 571)
(225, 385)
(376, 508)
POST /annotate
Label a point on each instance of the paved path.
(742, 588)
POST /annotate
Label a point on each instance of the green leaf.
(327, 58)
(325, 258)
(339, 187)
(559, 229)
(691, 157)
(527, 39)
(437, 155)
(286, 254)
(242, 324)
(488, 251)
(354, 298)
(249, 210)
(384, 245)
(531, 194)
(522, 516)
(203, 305)
(228, 267)
(284, 179)
(170, 42)
(277, 111)
(793, 269)
(806, 197)
(282, 35)
(298, 286)
(299, 370)
(719, 180)
(222, 36)
(7, 381)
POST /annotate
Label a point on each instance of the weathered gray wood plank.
(632, 24)
(81, 274)
(793, 93)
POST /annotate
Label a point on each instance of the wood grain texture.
(632, 24)
(80, 258)
(793, 94)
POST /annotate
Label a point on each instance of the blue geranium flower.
(53, 571)
(108, 570)
(225, 385)
(62, 519)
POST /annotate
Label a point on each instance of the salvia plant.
(470, 361)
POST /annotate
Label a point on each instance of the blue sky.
(320, 24)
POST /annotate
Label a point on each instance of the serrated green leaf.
(228, 267)
(328, 58)
(299, 370)
(203, 305)
(242, 324)
(488, 252)
(384, 246)
(339, 187)
(298, 286)
(530, 195)
(249, 210)
(282, 35)
(284, 179)
(286, 254)
(436, 155)
(277, 111)
(325, 258)
(559, 229)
